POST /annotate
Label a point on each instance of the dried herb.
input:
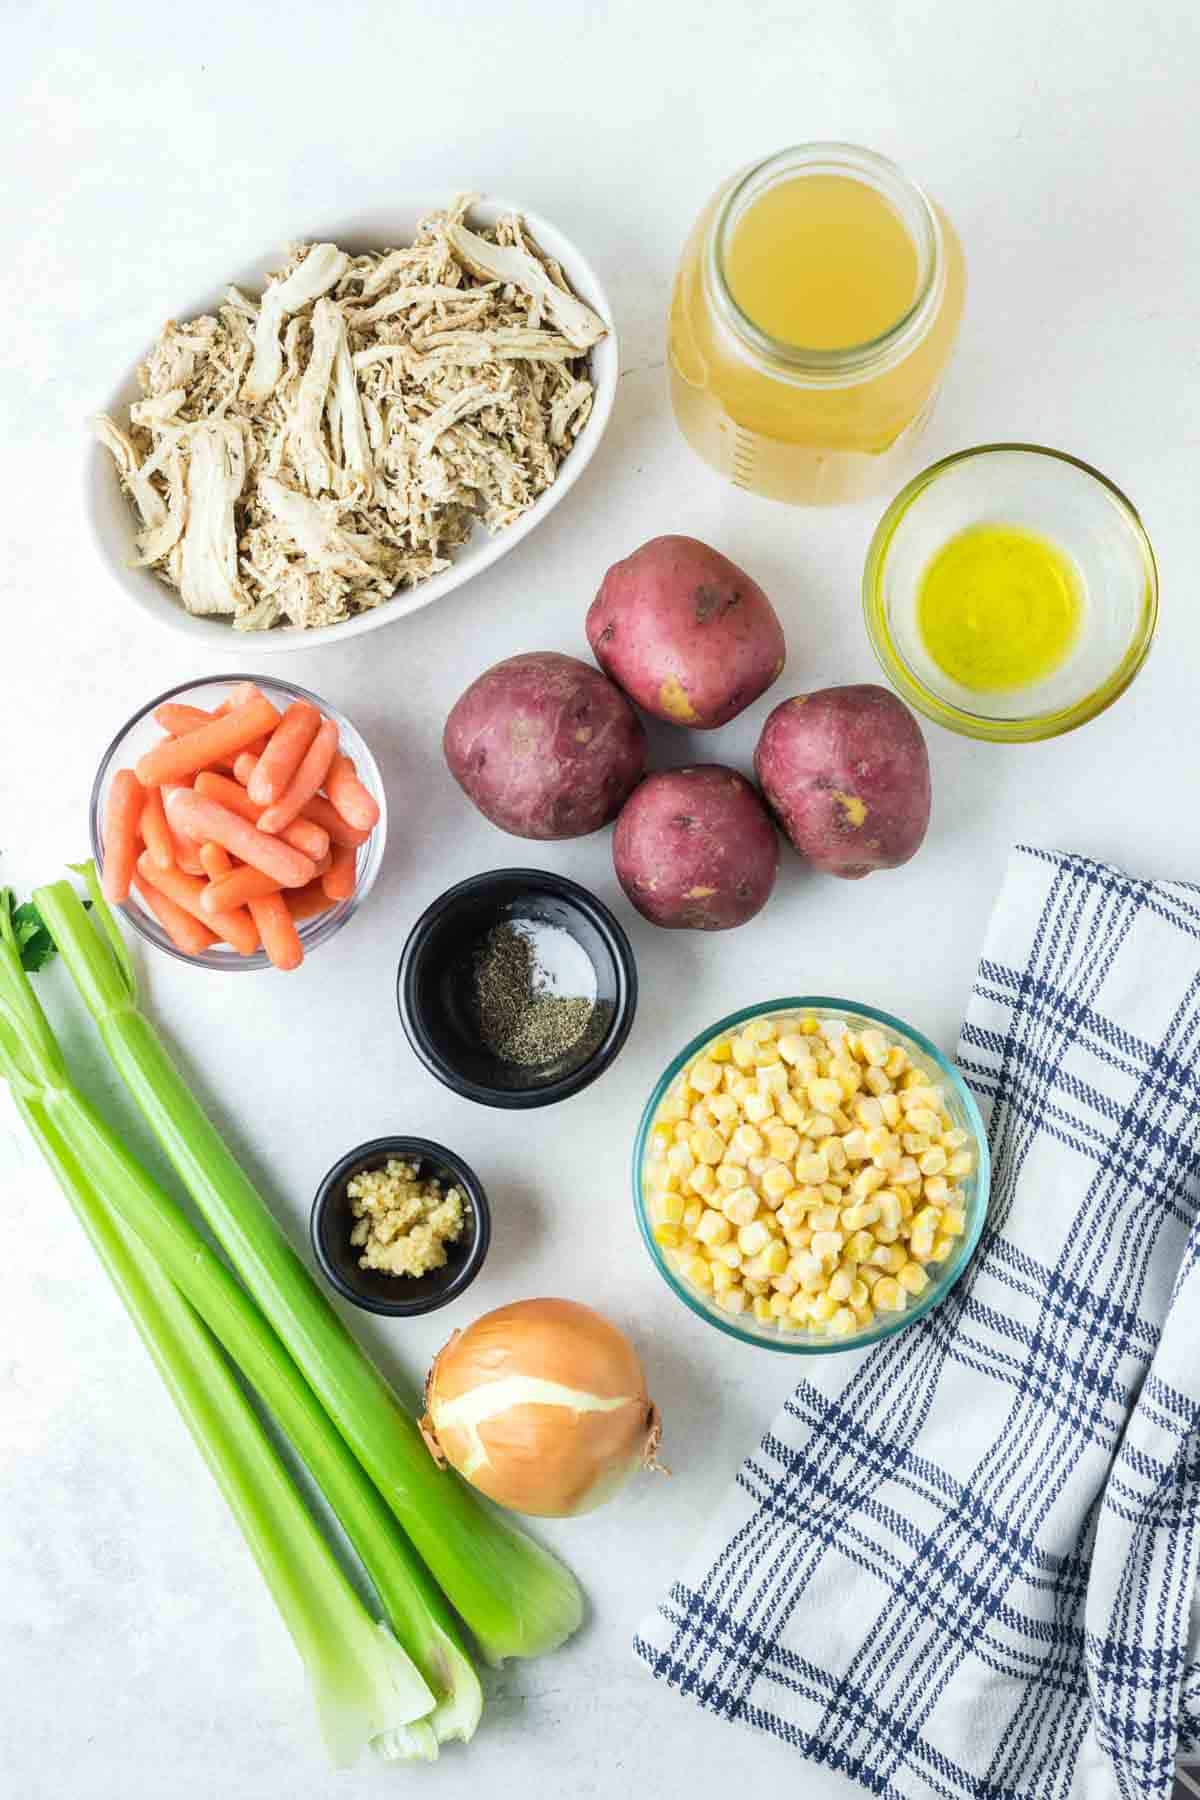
(519, 1020)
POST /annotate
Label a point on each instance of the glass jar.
(813, 426)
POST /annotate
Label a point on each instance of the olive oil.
(999, 608)
(822, 262)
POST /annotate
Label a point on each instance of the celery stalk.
(516, 1599)
(413, 1603)
(363, 1683)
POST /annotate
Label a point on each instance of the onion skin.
(572, 1418)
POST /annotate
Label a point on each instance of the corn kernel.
(761, 1309)
(810, 1026)
(915, 1143)
(798, 1236)
(854, 1145)
(954, 1221)
(937, 1190)
(773, 1080)
(680, 1160)
(742, 1051)
(729, 1176)
(840, 1285)
(719, 1051)
(889, 1208)
(888, 1295)
(822, 1307)
(860, 1245)
(877, 1082)
(912, 1278)
(778, 1304)
(886, 1234)
(842, 1323)
(933, 1161)
(669, 1236)
(922, 1118)
(827, 1245)
(783, 1143)
(733, 1300)
(698, 1272)
(835, 1156)
(860, 1293)
(774, 1258)
(811, 1168)
(758, 1108)
(819, 1126)
(693, 1212)
(864, 1315)
(875, 1047)
(702, 1180)
(704, 1075)
(867, 1181)
(868, 1112)
(727, 1253)
(880, 1257)
(897, 1061)
(752, 1238)
(891, 1111)
(943, 1247)
(721, 1276)
(740, 1206)
(961, 1163)
(668, 1209)
(857, 1217)
(776, 1181)
(956, 1138)
(920, 1246)
(713, 1228)
(707, 1145)
(824, 1095)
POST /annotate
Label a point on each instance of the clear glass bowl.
(959, 1103)
(1060, 498)
(140, 733)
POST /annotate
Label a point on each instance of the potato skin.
(695, 850)
(846, 773)
(686, 633)
(545, 746)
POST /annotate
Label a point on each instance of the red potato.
(545, 746)
(846, 773)
(686, 633)
(694, 849)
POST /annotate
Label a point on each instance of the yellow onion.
(542, 1406)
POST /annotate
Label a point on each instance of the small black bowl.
(400, 1296)
(435, 986)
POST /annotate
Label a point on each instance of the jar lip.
(917, 214)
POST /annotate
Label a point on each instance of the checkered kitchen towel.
(963, 1563)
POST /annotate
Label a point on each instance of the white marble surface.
(147, 151)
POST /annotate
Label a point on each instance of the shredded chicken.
(296, 459)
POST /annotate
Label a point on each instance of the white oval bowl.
(110, 511)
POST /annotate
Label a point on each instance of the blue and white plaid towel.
(963, 1563)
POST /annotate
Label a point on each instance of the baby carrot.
(176, 718)
(207, 820)
(346, 792)
(156, 833)
(185, 932)
(311, 840)
(338, 880)
(234, 889)
(244, 766)
(122, 829)
(283, 754)
(306, 902)
(321, 813)
(195, 750)
(236, 927)
(307, 781)
(215, 861)
(280, 938)
(238, 695)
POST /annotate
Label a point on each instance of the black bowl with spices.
(340, 1228)
(517, 988)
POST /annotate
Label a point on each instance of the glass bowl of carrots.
(239, 821)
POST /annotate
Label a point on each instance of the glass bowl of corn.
(811, 1175)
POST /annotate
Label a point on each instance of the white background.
(147, 151)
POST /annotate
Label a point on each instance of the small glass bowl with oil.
(1011, 592)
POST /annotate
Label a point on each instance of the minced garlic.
(403, 1224)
